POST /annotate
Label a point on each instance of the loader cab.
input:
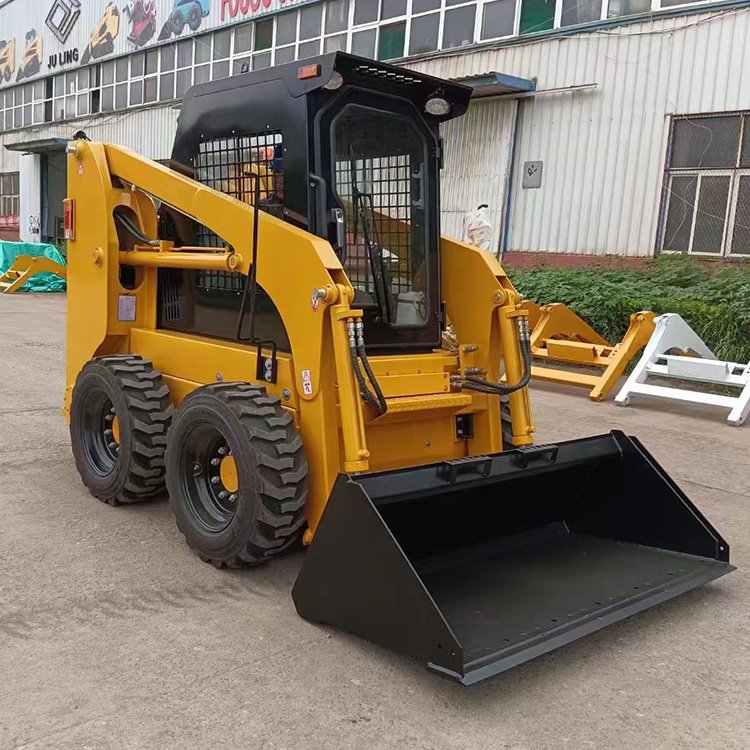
(344, 147)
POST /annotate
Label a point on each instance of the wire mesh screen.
(385, 184)
(379, 163)
(232, 166)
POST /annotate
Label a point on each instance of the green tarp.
(42, 282)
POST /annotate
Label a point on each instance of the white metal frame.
(698, 364)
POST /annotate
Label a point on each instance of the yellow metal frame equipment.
(26, 266)
(315, 380)
(560, 336)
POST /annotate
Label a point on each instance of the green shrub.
(716, 303)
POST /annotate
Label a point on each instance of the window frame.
(735, 174)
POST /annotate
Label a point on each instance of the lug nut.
(233, 498)
(113, 446)
(215, 480)
(222, 451)
(223, 494)
(215, 461)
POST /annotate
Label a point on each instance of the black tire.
(264, 513)
(178, 22)
(194, 18)
(131, 468)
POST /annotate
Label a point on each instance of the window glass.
(309, 49)
(185, 53)
(264, 34)
(392, 8)
(220, 70)
(284, 55)
(184, 82)
(262, 61)
(150, 91)
(202, 73)
(337, 15)
(121, 69)
(59, 87)
(136, 92)
(202, 53)
(711, 215)
(335, 43)
(580, 11)
(363, 43)
(167, 58)
(627, 7)
(706, 142)
(222, 44)
(242, 65)
(391, 42)
(309, 21)
(27, 94)
(27, 115)
(121, 96)
(424, 34)
(39, 90)
(745, 153)
(243, 38)
(365, 11)
(83, 79)
(286, 28)
(671, 3)
(420, 6)
(152, 62)
(741, 233)
(498, 19)
(458, 27)
(107, 99)
(382, 156)
(137, 65)
(166, 87)
(536, 15)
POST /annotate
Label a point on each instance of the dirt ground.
(114, 635)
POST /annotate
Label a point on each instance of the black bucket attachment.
(477, 565)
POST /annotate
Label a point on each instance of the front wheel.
(236, 474)
(119, 417)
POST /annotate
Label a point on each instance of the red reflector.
(308, 71)
(69, 218)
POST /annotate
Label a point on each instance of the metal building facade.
(596, 129)
(603, 148)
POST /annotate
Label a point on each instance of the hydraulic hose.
(129, 226)
(381, 402)
(481, 385)
(364, 391)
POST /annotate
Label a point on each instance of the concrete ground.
(114, 635)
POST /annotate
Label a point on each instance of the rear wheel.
(119, 416)
(236, 474)
(194, 18)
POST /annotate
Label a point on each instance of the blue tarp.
(43, 282)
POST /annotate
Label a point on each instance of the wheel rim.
(100, 432)
(209, 478)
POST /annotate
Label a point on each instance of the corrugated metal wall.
(475, 168)
(604, 149)
(148, 131)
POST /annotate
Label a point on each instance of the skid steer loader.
(258, 326)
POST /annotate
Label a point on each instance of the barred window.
(239, 166)
(707, 188)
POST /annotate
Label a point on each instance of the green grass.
(715, 301)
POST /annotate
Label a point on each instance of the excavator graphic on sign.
(142, 17)
(102, 41)
(31, 63)
(7, 59)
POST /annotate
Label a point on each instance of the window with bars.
(379, 165)
(9, 194)
(706, 208)
(239, 166)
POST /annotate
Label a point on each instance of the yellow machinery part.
(560, 336)
(316, 383)
(26, 266)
